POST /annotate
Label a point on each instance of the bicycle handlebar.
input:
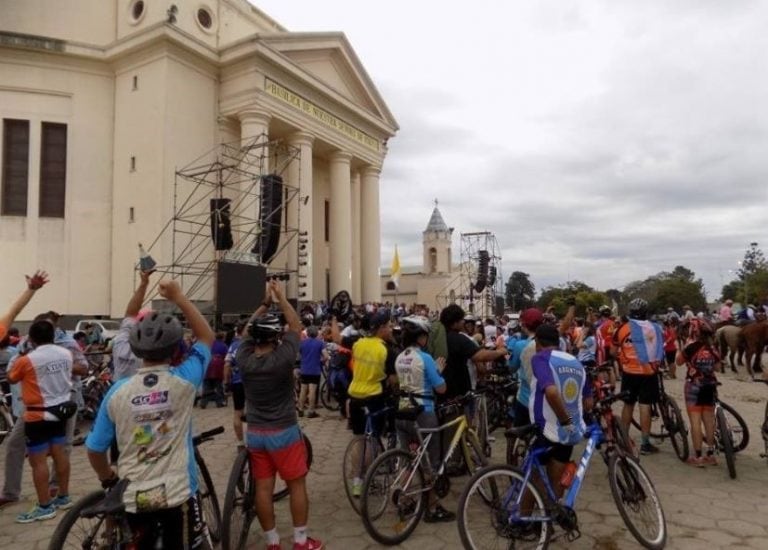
(207, 436)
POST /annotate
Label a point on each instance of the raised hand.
(144, 276)
(170, 290)
(37, 281)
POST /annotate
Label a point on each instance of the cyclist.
(150, 416)
(559, 396)
(234, 380)
(520, 362)
(418, 375)
(639, 346)
(702, 362)
(125, 362)
(274, 440)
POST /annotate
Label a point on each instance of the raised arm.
(171, 291)
(134, 304)
(34, 283)
(291, 317)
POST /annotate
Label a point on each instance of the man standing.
(726, 312)
(274, 439)
(233, 378)
(125, 362)
(639, 346)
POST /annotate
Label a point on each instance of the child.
(702, 361)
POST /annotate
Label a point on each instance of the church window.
(433, 260)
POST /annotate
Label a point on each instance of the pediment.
(330, 59)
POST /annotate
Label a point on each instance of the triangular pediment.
(330, 59)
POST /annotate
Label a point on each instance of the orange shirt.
(45, 374)
(628, 359)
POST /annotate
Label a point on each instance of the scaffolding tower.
(474, 247)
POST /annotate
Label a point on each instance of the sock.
(698, 454)
(646, 439)
(300, 535)
(710, 451)
(272, 536)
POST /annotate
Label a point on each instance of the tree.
(585, 296)
(666, 289)
(733, 291)
(519, 291)
(754, 261)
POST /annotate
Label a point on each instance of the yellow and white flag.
(395, 271)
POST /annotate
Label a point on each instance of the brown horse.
(728, 342)
(753, 338)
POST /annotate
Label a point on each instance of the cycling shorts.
(183, 527)
(557, 451)
(310, 379)
(699, 397)
(641, 387)
(238, 396)
(277, 451)
(41, 435)
(357, 413)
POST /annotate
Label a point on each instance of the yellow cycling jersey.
(369, 359)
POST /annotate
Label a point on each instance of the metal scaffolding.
(474, 246)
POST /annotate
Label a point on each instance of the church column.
(370, 244)
(300, 217)
(254, 131)
(356, 258)
(340, 222)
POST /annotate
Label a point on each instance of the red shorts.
(280, 451)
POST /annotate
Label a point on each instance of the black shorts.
(41, 435)
(357, 414)
(310, 379)
(670, 356)
(522, 415)
(181, 523)
(641, 387)
(238, 396)
(558, 451)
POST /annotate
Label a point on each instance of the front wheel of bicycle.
(676, 428)
(239, 504)
(327, 397)
(209, 501)
(737, 426)
(74, 531)
(394, 497)
(500, 521)
(621, 438)
(637, 501)
(726, 442)
(6, 424)
(360, 454)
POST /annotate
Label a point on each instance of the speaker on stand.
(270, 217)
(221, 225)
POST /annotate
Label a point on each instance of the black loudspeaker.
(483, 259)
(492, 276)
(239, 287)
(270, 216)
(221, 226)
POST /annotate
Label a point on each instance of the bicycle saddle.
(111, 504)
(521, 431)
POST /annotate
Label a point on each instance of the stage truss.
(480, 304)
(234, 171)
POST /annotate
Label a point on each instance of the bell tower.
(437, 245)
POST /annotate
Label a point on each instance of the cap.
(531, 318)
(379, 319)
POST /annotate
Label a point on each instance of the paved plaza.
(703, 507)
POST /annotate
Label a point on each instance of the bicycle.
(372, 446)
(764, 427)
(397, 486)
(98, 520)
(727, 434)
(240, 499)
(6, 417)
(667, 421)
(520, 517)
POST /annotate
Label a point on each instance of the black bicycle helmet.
(415, 324)
(156, 336)
(265, 328)
(638, 309)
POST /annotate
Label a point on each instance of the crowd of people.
(373, 354)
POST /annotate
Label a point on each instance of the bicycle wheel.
(622, 439)
(209, 502)
(739, 429)
(281, 489)
(725, 442)
(327, 397)
(517, 448)
(239, 504)
(496, 523)
(5, 425)
(394, 497)
(74, 531)
(360, 454)
(676, 428)
(637, 501)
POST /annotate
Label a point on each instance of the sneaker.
(312, 414)
(62, 502)
(710, 460)
(438, 515)
(311, 544)
(696, 461)
(38, 513)
(7, 502)
(648, 449)
(357, 489)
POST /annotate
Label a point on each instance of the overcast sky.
(602, 141)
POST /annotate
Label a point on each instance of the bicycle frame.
(462, 425)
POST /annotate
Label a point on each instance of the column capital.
(254, 115)
(340, 156)
(370, 171)
(301, 138)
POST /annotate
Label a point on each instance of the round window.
(137, 10)
(204, 18)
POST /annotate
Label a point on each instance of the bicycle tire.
(239, 501)
(625, 476)
(67, 522)
(209, 501)
(347, 467)
(385, 475)
(622, 440)
(483, 478)
(282, 492)
(675, 426)
(739, 443)
(726, 443)
(482, 419)
(657, 428)
(5, 426)
(474, 457)
(327, 397)
(517, 448)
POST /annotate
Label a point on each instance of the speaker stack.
(270, 217)
(483, 261)
(221, 226)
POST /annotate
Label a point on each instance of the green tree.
(753, 262)
(585, 296)
(668, 289)
(733, 291)
(519, 291)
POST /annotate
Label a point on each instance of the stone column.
(300, 217)
(356, 258)
(254, 132)
(370, 235)
(340, 222)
